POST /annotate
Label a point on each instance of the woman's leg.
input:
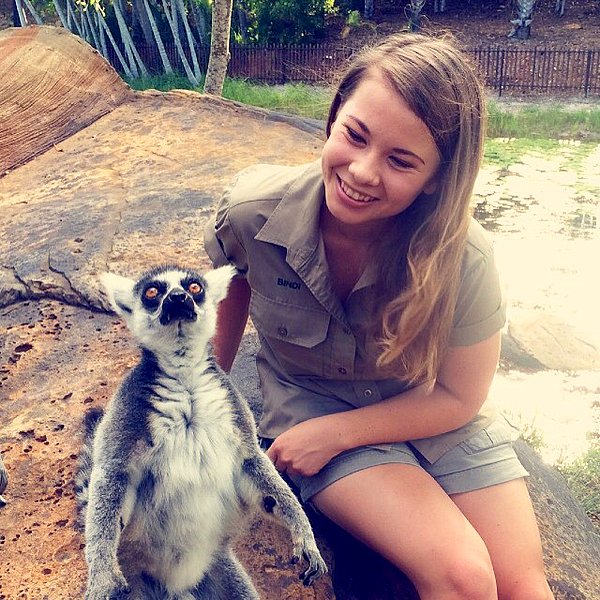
(503, 516)
(402, 513)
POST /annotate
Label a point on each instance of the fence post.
(501, 50)
(284, 58)
(588, 72)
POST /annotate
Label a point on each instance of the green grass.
(163, 83)
(294, 98)
(530, 121)
(583, 478)
(549, 121)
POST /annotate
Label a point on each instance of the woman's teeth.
(354, 194)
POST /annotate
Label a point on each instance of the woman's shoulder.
(264, 182)
(479, 245)
(478, 238)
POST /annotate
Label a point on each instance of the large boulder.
(124, 192)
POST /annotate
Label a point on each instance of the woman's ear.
(431, 186)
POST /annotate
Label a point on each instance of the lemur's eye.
(194, 288)
(151, 293)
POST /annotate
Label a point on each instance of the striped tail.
(85, 462)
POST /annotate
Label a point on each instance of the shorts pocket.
(497, 433)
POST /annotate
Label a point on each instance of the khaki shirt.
(315, 357)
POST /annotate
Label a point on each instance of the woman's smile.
(354, 194)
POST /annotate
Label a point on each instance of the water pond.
(541, 205)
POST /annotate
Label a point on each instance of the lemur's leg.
(226, 580)
(278, 500)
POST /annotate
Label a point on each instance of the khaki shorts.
(486, 458)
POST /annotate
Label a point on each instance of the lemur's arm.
(279, 501)
(108, 490)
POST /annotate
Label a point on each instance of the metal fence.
(507, 71)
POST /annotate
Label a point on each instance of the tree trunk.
(115, 46)
(135, 61)
(21, 13)
(219, 47)
(34, 14)
(72, 22)
(103, 49)
(91, 26)
(180, 51)
(168, 69)
(142, 16)
(369, 9)
(200, 21)
(61, 14)
(522, 24)
(189, 36)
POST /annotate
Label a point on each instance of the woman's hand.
(306, 448)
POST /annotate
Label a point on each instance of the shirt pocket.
(295, 335)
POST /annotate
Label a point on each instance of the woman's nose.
(365, 169)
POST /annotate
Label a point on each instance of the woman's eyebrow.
(365, 129)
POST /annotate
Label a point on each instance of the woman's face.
(378, 158)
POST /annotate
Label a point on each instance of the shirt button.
(368, 393)
(282, 331)
(342, 370)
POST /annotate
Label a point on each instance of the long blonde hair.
(419, 261)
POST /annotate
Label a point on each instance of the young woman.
(378, 308)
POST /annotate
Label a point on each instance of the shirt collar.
(294, 224)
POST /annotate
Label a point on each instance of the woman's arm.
(460, 390)
(231, 322)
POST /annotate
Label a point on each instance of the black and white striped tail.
(84, 467)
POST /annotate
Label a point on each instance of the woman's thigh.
(402, 513)
(503, 516)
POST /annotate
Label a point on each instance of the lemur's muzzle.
(177, 306)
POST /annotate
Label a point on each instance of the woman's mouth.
(354, 194)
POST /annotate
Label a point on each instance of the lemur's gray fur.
(172, 469)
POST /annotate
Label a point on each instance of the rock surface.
(553, 343)
(130, 190)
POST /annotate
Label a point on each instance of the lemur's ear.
(120, 292)
(218, 281)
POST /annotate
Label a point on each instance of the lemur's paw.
(108, 586)
(316, 565)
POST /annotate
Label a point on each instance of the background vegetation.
(540, 121)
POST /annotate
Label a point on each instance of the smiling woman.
(375, 368)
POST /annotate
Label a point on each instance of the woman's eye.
(399, 163)
(353, 135)
(194, 288)
(151, 293)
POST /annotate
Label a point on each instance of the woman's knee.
(464, 575)
(532, 588)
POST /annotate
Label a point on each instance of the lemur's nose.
(177, 296)
(177, 306)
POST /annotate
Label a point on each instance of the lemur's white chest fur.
(183, 485)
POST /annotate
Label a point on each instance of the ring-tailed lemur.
(175, 467)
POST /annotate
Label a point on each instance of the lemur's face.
(169, 303)
(171, 295)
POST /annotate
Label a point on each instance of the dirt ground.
(488, 23)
